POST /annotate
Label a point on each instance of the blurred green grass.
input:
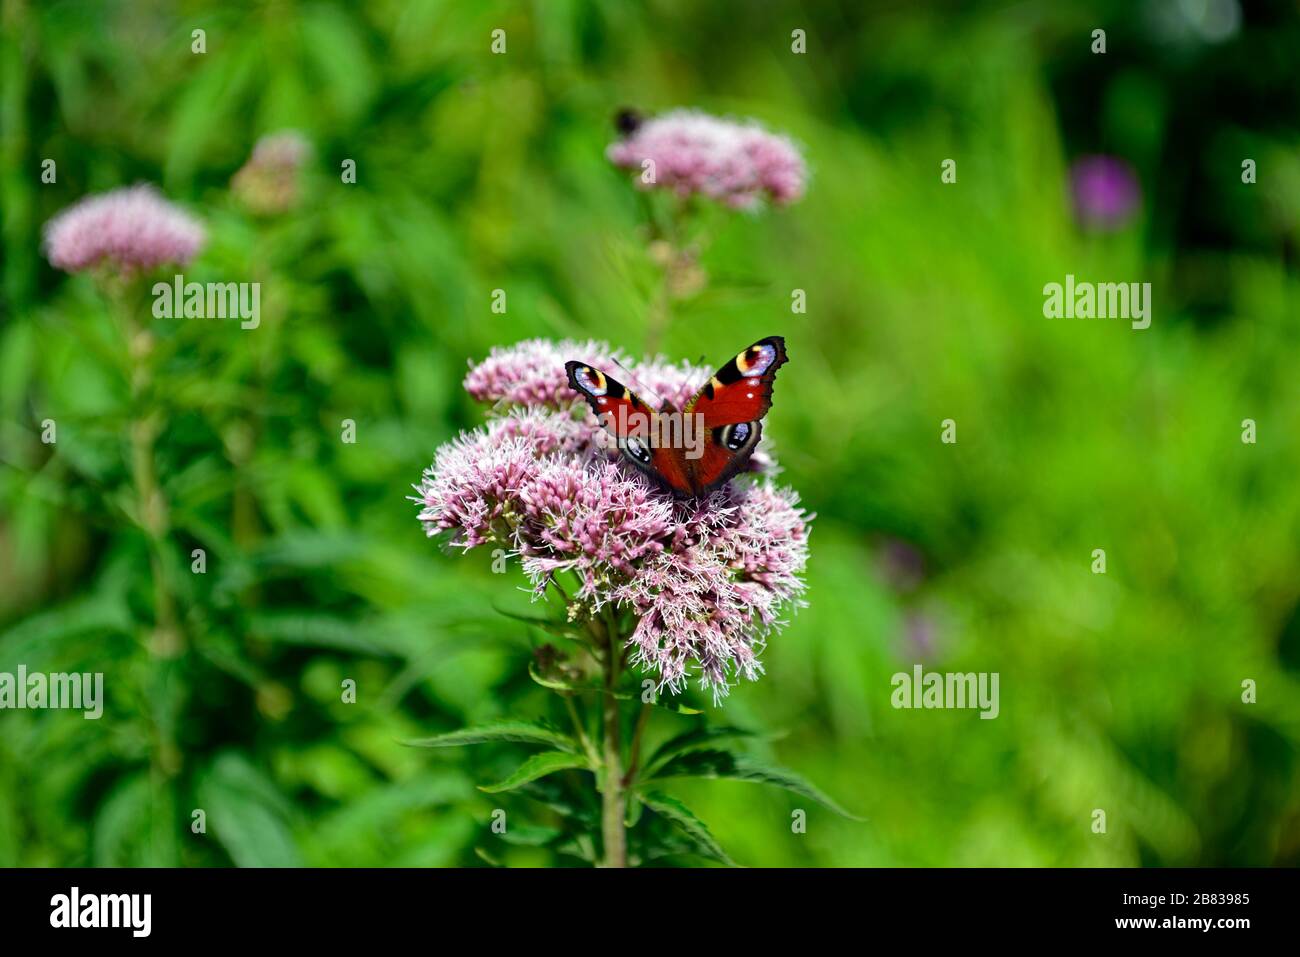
(478, 172)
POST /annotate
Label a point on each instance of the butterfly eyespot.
(636, 449)
(755, 360)
(592, 380)
(735, 436)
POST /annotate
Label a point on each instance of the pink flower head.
(473, 486)
(714, 596)
(133, 229)
(270, 182)
(531, 373)
(706, 578)
(693, 153)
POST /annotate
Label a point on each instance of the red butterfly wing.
(729, 409)
(741, 391)
(731, 405)
(626, 417)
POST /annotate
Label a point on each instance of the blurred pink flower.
(132, 229)
(1105, 191)
(270, 182)
(707, 578)
(735, 163)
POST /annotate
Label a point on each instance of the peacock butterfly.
(693, 451)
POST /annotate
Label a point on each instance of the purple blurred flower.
(919, 635)
(1105, 191)
(132, 229)
(271, 181)
(901, 564)
(735, 163)
(706, 578)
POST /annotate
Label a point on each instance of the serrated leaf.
(702, 842)
(696, 739)
(524, 732)
(736, 767)
(539, 765)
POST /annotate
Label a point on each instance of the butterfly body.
(697, 449)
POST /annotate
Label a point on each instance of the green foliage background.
(475, 172)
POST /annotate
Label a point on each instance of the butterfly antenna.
(641, 386)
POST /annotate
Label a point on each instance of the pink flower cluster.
(707, 578)
(133, 229)
(693, 153)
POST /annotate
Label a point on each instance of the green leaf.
(560, 684)
(736, 767)
(531, 835)
(525, 732)
(317, 630)
(486, 856)
(247, 814)
(539, 765)
(670, 703)
(553, 627)
(567, 802)
(634, 808)
(697, 834)
(120, 822)
(697, 739)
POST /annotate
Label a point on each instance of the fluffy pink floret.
(531, 372)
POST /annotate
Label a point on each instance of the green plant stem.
(151, 513)
(151, 504)
(613, 794)
(660, 314)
